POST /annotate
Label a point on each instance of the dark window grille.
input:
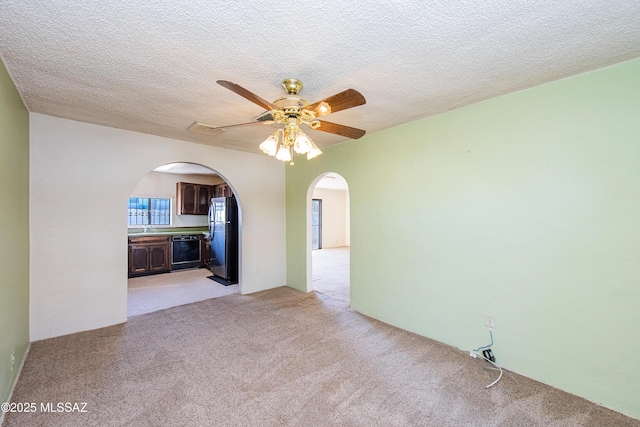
(147, 211)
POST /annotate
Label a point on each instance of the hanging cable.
(506, 373)
(475, 353)
(486, 346)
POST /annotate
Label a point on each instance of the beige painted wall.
(14, 217)
(79, 252)
(334, 217)
(163, 185)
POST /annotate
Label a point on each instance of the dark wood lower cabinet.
(206, 252)
(138, 259)
(149, 255)
(159, 258)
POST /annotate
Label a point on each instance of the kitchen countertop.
(165, 232)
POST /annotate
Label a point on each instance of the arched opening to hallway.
(329, 231)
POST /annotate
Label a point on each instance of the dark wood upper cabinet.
(222, 190)
(193, 199)
(204, 199)
(186, 198)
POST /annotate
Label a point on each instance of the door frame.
(308, 240)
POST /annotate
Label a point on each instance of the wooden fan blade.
(342, 130)
(248, 95)
(341, 101)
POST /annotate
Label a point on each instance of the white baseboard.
(13, 387)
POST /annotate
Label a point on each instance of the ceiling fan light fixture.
(284, 154)
(270, 145)
(303, 143)
(324, 109)
(293, 111)
(313, 152)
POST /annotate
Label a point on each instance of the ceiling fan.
(292, 111)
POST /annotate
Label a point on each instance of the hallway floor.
(331, 272)
(148, 294)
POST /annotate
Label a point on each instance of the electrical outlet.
(13, 360)
(490, 322)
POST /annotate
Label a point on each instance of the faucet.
(146, 227)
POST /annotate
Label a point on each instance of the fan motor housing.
(291, 101)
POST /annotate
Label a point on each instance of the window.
(148, 211)
(316, 224)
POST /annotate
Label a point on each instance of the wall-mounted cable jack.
(488, 355)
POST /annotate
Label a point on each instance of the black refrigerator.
(223, 232)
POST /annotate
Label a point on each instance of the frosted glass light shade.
(270, 145)
(284, 154)
(282, 143)
(302, 144)
(313, 152)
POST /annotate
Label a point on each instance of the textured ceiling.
(152, 66)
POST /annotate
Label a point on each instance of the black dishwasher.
(185, 251)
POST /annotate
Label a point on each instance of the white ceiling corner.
(152, 67)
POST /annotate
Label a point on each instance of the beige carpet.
(147, 294)
(277, 358)
(330, 272)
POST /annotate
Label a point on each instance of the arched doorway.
(329, 236)
(171, 260)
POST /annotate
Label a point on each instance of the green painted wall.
(14, 217)
(525, 207)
